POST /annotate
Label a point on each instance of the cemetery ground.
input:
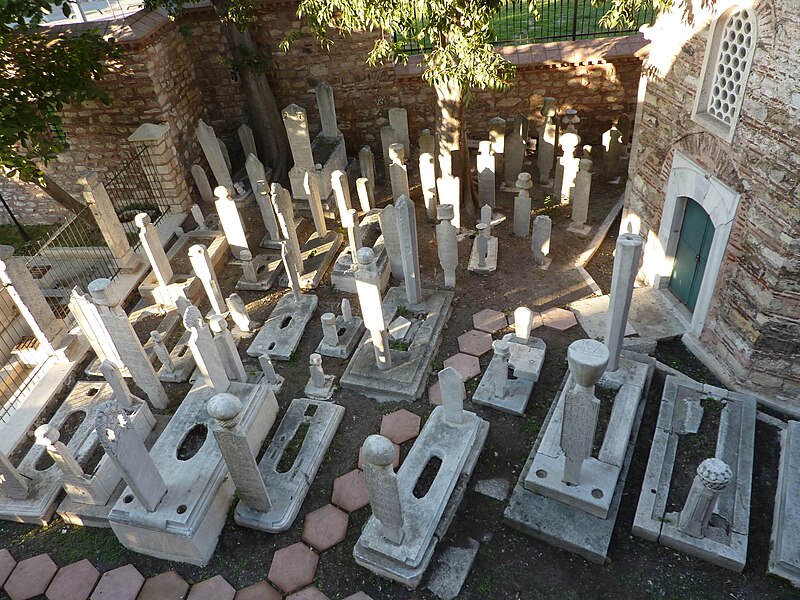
(508, 564)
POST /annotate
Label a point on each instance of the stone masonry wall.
(753, 325)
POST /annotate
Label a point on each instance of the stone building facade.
(714, 190)
(175, 72)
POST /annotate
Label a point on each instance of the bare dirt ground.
(509, 564)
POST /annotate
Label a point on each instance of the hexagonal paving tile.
(400, 426)
(73, 582)
(310, 593)
(359, 596)
(350, 491)
(123, 583)
(395, 464)
(475, 342)
(489, 320)
(466, 365)
(30, 577)
(293, 567)
(558, 318)
(258, 591)
(216, 588)
(7, 564)
(325, 527)
(164, 586)
(435, 394)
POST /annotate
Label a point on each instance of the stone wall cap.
(149, 132)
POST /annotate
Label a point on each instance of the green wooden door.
(691, 256)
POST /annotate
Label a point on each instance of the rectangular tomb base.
(513, 401)
(405, 380)
(784, 556)
(287, 490)
(281, 333)
(680, 418)
(187, 522)
(564, 525)
(490, 264)
(349, 336)
(426, 519)
(268, 268)
(343, 273)
(317, 253)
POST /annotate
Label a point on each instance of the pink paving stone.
(400, 426)
(293, 567)
(466, 365)
(359, 596)
(558, 318)
(165, 586)
(395, 464)
(30, 577)
(325, 527)
(215, 588)
(258, 591)
(123, 583)
(475, 342)
(73, 582)
(350, 491)
(489, 320)
(310, 593)
(7, 564)
(435, 394)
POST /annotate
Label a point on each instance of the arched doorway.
(691, 254)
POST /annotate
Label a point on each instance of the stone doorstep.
(734, 446)
(562, 525)
(288, 490)
(784, 555)
(198, 498)
(281, 333)
(490, 264)
(317, 254)
(348, 340)
(424, 521)
(406, 379)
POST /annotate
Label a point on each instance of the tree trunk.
(65, 199)
(265, 117)
(451, 139)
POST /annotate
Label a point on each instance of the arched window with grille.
(729, 55)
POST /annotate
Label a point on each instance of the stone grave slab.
(406, 379)
(518, 389)
(76, 413)
(267, 267)
(451, 569)
(490, 264)
(565, 525)
(287, 490)
(426, 519)
(343, 273)
(187, 522)
(317, 254)
(784, 555)
(723, 545)
(280, 335)
(349, 336)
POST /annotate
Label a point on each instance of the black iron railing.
(558, 20)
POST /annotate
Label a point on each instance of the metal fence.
(558, 20)
(134, 189)
(76, 254)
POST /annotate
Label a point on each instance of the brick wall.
(753, 326)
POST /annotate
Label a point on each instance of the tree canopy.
(40, 73)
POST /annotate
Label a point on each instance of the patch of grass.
(10, 235)
(485, 587)
(532, 426)
(400, 345)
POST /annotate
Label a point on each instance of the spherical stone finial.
(587, 360)
(379, 450)
(217, 323)
(197, 250)
(315, 360)
(445, 212)
(100, 290)
(142, 220)
(46, 435)
(715, 474)
(245, 255)
(365, 256)
(221, 192)
(501, 348)
(224, 407)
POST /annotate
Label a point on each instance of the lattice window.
(731, 46)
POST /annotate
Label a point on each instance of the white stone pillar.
(515, 146)
(623, 277)
(388, 137)
(282, 202)
(238, 312)
(580, 194)
(486, 174)
(296, 124)
(447, 243)
(347, 311)
(315, 203)
(162, 353)
(523, 321)
(409, 250)
(230, 221)
(713, 476)
(248, 141)
(366, 162)
(449, 191)
(427, 178)
(330, 333)
(259, 183)
(546, 145)
(398, 172)
(451, 386)
(202, 267)
(154, 251)
(214, 156)
(369, 297)
(327, 111)
(522, 205)
(540, 240)
(501, 352)
(119, 386)
(362, 190)
(201, 181)
(12, 483)
(204, 350)
(350, 222)
(225, 409)
(226, 347)
(398, 120)
(497, 138)
(384, 495)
